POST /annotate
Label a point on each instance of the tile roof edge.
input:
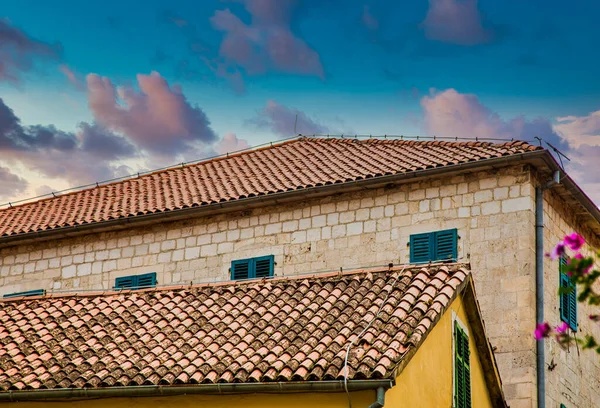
(453, 267)
(218, 388)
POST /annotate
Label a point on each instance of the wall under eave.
(325, 400)
(427, 379)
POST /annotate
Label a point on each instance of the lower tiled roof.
(284, 329)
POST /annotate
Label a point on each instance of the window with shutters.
(147, 280)
(434, 246)
(37, 292)
(260, 267)
(568, 298)
(462, 368)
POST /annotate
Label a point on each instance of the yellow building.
(393, 337)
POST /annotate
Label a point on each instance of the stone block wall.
(572, 375)
(492, 210)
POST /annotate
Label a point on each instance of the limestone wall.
(573, 375)
(493, 212)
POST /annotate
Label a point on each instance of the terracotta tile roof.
(297, 164)
(292, 329)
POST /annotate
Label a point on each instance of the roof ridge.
(451, 267)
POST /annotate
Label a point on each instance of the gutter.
(539, 285)
(207, 389)
(380, 399)
(274, 198)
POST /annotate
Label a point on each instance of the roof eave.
(209, 389)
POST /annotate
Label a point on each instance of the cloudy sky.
(90, 91)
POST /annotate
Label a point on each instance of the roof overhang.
(207, 389)
(541, 159)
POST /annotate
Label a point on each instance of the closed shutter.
(434, 246)
(462, 368)
(240, 269)
(446, 245)
(421, 246)
(146, 280)
(37, 292)
(568, 300)
(263, 266)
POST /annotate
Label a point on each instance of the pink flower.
(574, 241)
(542, 330)
(562, 328)
(557, 251)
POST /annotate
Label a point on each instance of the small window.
(568, 299)
(37, 292)
(434, 246)
(260, 267)
(462, 368)
(147, 280)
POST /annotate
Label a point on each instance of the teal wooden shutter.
(125, 282)
(421, 247)
(462, 369)
(240, 269)
(446, 245)
(263, 266)
(434, 246)
(37, 292)
(568, 301)
(146, 280)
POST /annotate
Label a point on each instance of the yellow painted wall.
(326, 400)
(427, 379)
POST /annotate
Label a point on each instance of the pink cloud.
(369, 20)
(10, 184)
(281, 120)
(230, 143)
(578, 130)
(267, 43)
(452, 114)
(455, 21)
(71, 76)
(18, 51)
(157, 118)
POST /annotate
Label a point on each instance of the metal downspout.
(539, 285)
(380, 398)
(539, 293)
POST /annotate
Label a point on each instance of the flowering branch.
(578, 269)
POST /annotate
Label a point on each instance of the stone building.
(312, 205)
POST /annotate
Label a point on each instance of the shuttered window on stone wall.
(259, 267)
(434, 246)
(147, 280)
(568, 298)
(37, 292)
(462, 368)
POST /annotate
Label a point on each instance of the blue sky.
(245, 68)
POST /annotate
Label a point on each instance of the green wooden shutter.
(146, 280)
(125, 282)
(462, 369)
(421, 247)
(36, 292)
(240, 269)
(446, 245)
(263, 266)
(568, 301)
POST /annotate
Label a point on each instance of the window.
(146, 280)
(462, 368)
(37, 292)
(568, 299)
(260, 267)
(434, 246)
